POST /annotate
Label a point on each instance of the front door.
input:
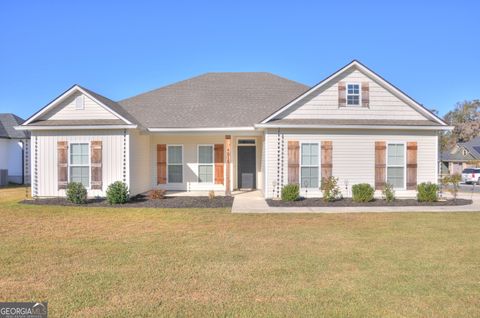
(246, 174)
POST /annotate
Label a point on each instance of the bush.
(362, 192)
(76, 193)
(388, 193)
(156, 194)
(330, 189)
(454, 181)
(117, 193)
(427, 192)
(290, 192)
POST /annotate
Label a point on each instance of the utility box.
(3, 177)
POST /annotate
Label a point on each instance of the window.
(205, 164)
(80, 164)
(396, 165)
(174, 164)
(353, 94)
(309, 165)
(80, 102)
(246, 142)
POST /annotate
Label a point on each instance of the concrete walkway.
(253, 202)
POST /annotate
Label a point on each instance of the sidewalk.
(253, 202)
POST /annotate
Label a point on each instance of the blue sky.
(429, 49)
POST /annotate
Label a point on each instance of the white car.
(471, 175)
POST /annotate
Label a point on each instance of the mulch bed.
(348, 202)
(142, 201)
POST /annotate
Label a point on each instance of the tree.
(466, 119)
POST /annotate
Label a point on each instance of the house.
(14, 151)
(463, 155)
(224, 131)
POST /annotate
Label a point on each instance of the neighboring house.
(14, 150)
(224, 131)
(463, 155)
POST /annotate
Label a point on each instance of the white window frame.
(82, 105)
(404, 166)
(175, 164)
(205, 164)
(359, 95)
(319, 144)
(89, 165)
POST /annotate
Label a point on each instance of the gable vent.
(80, 102)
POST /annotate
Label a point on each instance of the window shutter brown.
(365, 95)
(219, 164)
(380, 164)
(293, 161)
(62, 163)
(96, 164)
(342, 94)
(411, 165)
(161, 164)
(326, 159)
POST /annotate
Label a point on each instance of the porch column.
(228, 155)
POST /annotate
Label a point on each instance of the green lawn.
(151, 263)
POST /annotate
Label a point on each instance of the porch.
(195, 164)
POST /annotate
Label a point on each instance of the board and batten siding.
(45, 158)
(140, 165)
(66, 110)
(353, 155)
(323, 104)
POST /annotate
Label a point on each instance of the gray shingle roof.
(473, 151)
(214, 100)
(113, 105)
(7, 122)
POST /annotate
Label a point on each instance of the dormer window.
(353, 94)
(80, 102)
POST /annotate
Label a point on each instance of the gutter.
(448, 128)
(201, 129)
(75, 127)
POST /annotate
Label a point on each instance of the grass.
(109, 262)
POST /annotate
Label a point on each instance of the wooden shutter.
(411, 165)
(365, 95)
(342, 94)
(161, 164)
(293, 161)
(96, 164)
(62, 164)
(380, 164)
(326, 159)
(218, 163)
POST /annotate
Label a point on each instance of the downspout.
(23, 161)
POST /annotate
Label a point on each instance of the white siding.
(140, 166)
(11, 159)
(323, 104)
(44, 158)
(353, 155)
(66, 110)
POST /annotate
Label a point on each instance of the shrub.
(117, 193)
(76, 193)
(454, 181)
(157, 194)
(427, 192)
(330, 189)
(362, 192)
(290, 192)
(211, 194)
(388, 193)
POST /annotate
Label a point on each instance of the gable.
(67, 110)
(324, 104)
